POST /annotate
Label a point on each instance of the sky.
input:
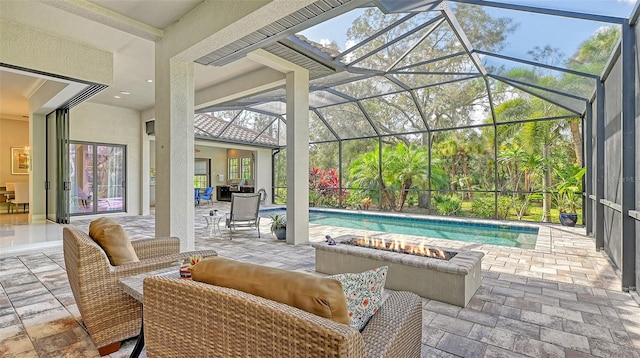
(533, 30)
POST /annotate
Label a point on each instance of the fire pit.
(401, 246)
(444, 275)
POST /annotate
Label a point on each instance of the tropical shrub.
(324, 187)
(447, 205)
(484, 207)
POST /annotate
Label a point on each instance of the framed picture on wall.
(20, 161)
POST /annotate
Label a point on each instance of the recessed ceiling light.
(125, 92)
(150, 81)
(117, 97)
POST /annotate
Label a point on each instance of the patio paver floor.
(563, 301)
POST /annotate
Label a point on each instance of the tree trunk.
(546, 181)
(405, 191)
(454, 173)
(577, 140)
(385, 200)
(465, 172)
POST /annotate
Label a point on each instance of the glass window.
(201, 173)
(234, 168)
(247, 168)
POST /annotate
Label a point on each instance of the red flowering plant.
(324, 187)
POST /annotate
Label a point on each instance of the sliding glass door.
(97, 175)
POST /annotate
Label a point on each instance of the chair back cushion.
(318, 295)
(114, 240)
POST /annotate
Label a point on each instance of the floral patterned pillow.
(364, 294)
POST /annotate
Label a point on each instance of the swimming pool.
(494, 234)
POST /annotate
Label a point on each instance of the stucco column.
(297, 157)
(174, 150)
(37, 200)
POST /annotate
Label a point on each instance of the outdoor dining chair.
(244, 212)
(207, 195)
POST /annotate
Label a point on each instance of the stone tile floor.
(564, 301)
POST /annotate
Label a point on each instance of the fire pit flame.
(401, 246)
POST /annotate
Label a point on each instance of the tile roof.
(209, 126)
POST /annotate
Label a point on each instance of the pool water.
(494, 234)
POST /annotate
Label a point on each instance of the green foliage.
(504, 204)
(570, 188)
(447, 205)
(278, 222)
(402, 166)
(484, 207)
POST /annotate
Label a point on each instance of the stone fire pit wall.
(454, 281)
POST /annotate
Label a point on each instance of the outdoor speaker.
(151, 128)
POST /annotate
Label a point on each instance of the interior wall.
(89, 122)
(13, 133)
(613, 162)
(218, 158)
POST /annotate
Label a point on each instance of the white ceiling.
(13, 90)
(151, 12)
(133, 54)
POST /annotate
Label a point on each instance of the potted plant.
(185, 269)
(279, 226)
(568, 195)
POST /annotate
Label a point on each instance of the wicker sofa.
(185, 318)
(109, 314)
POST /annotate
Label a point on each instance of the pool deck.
(562, 299)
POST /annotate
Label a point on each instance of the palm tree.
(407, 163)
(364, 173)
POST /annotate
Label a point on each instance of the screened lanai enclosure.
(516, 110)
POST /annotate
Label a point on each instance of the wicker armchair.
(109, 314)
(193, 319)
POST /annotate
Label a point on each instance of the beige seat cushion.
(114, 240)
(318, 295)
